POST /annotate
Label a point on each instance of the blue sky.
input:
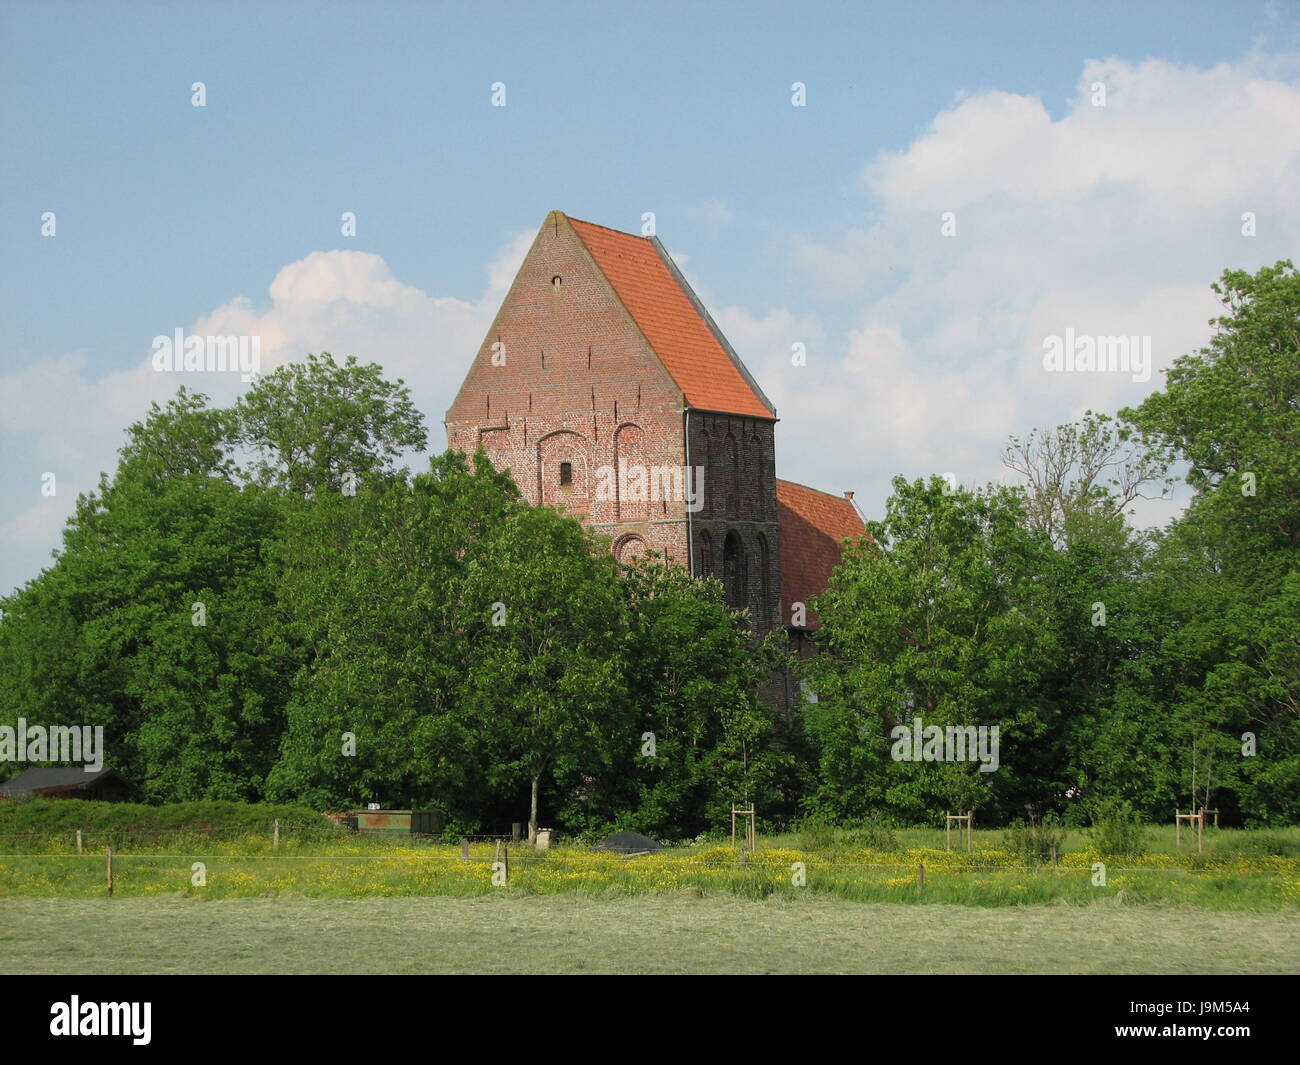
(818, 225)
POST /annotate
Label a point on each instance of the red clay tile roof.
(811, 525)
(666, 315)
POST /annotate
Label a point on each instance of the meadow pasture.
(680, 931)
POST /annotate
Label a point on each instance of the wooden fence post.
(920, 878)
(275, 835)
(78, 841)
(109, 854)
(464, 850)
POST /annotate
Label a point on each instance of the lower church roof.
(811, 525)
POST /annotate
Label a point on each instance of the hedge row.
(49, 817)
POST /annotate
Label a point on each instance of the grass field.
(333, 902)
(678, 932)
(1239, 874)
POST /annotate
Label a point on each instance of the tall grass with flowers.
(351, 866)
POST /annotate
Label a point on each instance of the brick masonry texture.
(571, 394)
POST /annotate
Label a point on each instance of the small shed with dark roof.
(628, 843)
(105, 785)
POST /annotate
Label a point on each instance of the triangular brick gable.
(811, 525)
(670, 317)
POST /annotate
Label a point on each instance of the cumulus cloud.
(924, 351)
(349, 303)
(62, 418)
(1105, 220)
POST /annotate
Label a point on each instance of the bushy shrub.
(1261, 846)
(1117, 829)
(1036, 841)
(873, 832)
(816, 834)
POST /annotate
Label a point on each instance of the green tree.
(931, 618)
(153, 620)
(371, 606)
(156, 602)
(184, 438)
(1083, 474)
(1233, 408)
(692, 738)
(544, 622)
(1229, 661)
(321, 426)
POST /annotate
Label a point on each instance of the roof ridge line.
(607, 229)
(819, 491)
(718, 334)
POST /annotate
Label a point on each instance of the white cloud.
(1184, 135)
(62, 418)
(713, 211)
(37, 528)
(1107, 220)
(924, 351)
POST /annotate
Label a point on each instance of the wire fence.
(350, 864)
(951, 862)
(283, 843)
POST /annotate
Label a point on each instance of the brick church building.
(609, 392)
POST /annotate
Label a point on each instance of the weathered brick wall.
(736, 533)
(579, 384)
(565, 376)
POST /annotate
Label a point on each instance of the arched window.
(562, 474)
(733, 571)
(627, 548)
(705, 460)
(633, 477)
(749, 476)
(731, 473)
(706, 555)
(760, 611)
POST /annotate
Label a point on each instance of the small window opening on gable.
(557, 281)
(566, 474)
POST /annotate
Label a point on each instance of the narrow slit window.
(566, 474)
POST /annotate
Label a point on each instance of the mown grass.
(360, 867)
(669, 932)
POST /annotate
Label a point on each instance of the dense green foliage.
(46, 819)
(259, 606)
(1159, 670)
(318, 627)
